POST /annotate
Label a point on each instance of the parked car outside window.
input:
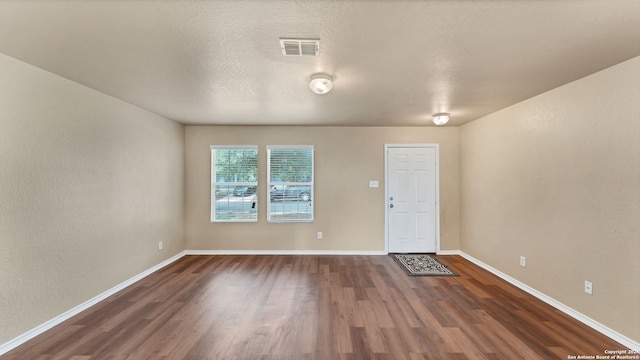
(291, 192)
(244, 190)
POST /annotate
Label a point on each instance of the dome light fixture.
(321, 83)
(440, 118)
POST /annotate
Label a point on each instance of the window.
(290, 174)
(234, 183)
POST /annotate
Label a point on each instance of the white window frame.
(215, 183)
(270, 184)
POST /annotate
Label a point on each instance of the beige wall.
(556, 178)
(88, 186)
(347, 211)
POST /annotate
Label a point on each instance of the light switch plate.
(373, 183)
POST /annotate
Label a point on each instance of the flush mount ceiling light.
(321, 83)
(440, 118)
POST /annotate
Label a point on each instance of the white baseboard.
(448, 252)
(11, 344)
(624, 340)
(284, 252)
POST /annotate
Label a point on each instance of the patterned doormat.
(422, 265)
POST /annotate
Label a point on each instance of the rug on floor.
(422, 265)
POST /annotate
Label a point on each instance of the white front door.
(411, 199)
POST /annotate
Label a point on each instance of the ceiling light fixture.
(321, 83)
(440, 118)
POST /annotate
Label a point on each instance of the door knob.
(391, 206)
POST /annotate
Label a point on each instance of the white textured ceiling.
(395, 62)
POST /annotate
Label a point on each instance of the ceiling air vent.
(300, 47)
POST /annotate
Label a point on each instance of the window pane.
(291, 165)
(236, 165)
(290, 184)
(290, 209)
(234, 184)
(235, 203)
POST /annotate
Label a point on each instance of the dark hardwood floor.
(316, 307)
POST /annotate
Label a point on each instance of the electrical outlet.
(159, 245)
(588, 287)
(523, 261)
(319, 235)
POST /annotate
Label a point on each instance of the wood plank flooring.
(315, 307)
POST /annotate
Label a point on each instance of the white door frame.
(386, 190)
